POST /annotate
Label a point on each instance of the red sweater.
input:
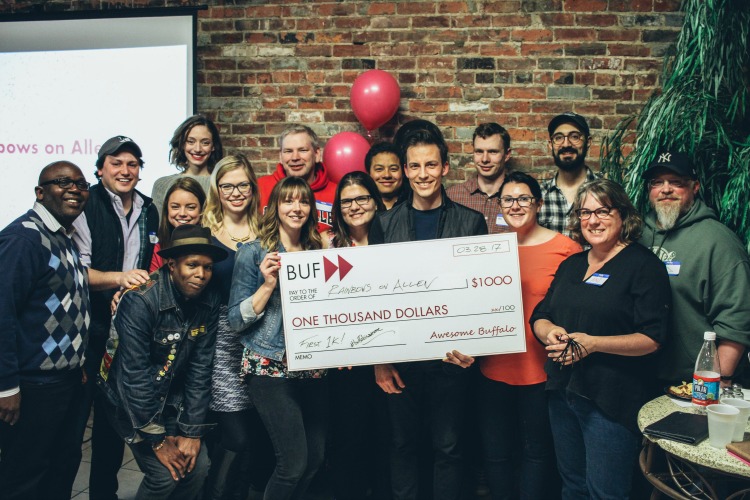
(324, 190)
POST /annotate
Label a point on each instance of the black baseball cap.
(677, 162)
(118, 143)
(569, 117)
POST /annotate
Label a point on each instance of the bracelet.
(158, 446)
(727, 378)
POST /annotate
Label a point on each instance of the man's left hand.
(190, 447)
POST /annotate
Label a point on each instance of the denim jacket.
(262, 333)
(163, 358)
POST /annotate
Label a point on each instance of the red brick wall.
(263, 65)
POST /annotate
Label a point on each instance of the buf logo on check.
(330, 268)
(302, 271)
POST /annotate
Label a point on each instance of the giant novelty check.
(402, 302)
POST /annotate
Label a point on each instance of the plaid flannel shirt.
(556, 209)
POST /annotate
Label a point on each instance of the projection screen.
(67, 85)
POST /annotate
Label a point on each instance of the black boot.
(218, 474)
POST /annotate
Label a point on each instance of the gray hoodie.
(710, 286)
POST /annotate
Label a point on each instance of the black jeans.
(514, 424)
(40, 453)
(295, 414)
(107, 447)
(433, 399)
(358, 452)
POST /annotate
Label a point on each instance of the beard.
(667, 214)
(573, 164)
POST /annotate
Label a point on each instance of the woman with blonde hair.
(232, 213)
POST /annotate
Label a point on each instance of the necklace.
(237, 240)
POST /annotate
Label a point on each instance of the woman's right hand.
(269, 268)
(556, 335)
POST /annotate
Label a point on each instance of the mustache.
(568, 149)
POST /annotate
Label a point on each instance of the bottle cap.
(709, 335)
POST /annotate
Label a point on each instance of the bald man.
(44, 319)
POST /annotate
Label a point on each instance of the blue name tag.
(673, 267)
(500, 221)
(597, 279)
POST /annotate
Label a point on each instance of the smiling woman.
(183, 205)
(195, 149)
(292, 405)
(606, 310)
(520, 377)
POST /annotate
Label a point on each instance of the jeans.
(595, 455)
(433, 399)
(514, 425)
(157, 482)
(358, 451)
(40, 453)
(295, 414)
(107, 447)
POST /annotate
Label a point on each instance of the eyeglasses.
(360, 200)
(227, 189)
(659, 183)
(601, 213)
(574, 138)
(523, 201)
(67, 183)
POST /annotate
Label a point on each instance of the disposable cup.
(721, 421)
(741, 419)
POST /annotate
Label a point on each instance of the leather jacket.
(163, 357)
(397, 224)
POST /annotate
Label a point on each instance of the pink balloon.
(344, 152)
(375, 98)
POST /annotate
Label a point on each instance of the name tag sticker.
(500, 221)
(597, 279)
(153, 238)
(673, 267)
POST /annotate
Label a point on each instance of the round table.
(693, 469)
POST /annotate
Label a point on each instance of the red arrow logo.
(329, 268)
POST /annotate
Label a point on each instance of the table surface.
(703, 453)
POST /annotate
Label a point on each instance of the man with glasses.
(300, 155)
(491, 153)
(707, 265)
(569, 141)
(44, 320)
(116, 236)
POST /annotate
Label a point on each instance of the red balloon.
(344, 152)
(375, 98)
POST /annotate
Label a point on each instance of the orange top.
(538, 264)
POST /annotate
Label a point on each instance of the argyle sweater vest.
(44, 310)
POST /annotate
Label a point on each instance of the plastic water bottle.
(707, 373)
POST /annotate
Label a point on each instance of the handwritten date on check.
(402, 302)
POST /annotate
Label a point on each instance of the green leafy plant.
(702, 110)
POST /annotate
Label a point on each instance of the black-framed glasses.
(67, 183)
(574, 138)
(659, 183)
(523, 201)
(359, 200)
(227, 189)
(601, 213)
